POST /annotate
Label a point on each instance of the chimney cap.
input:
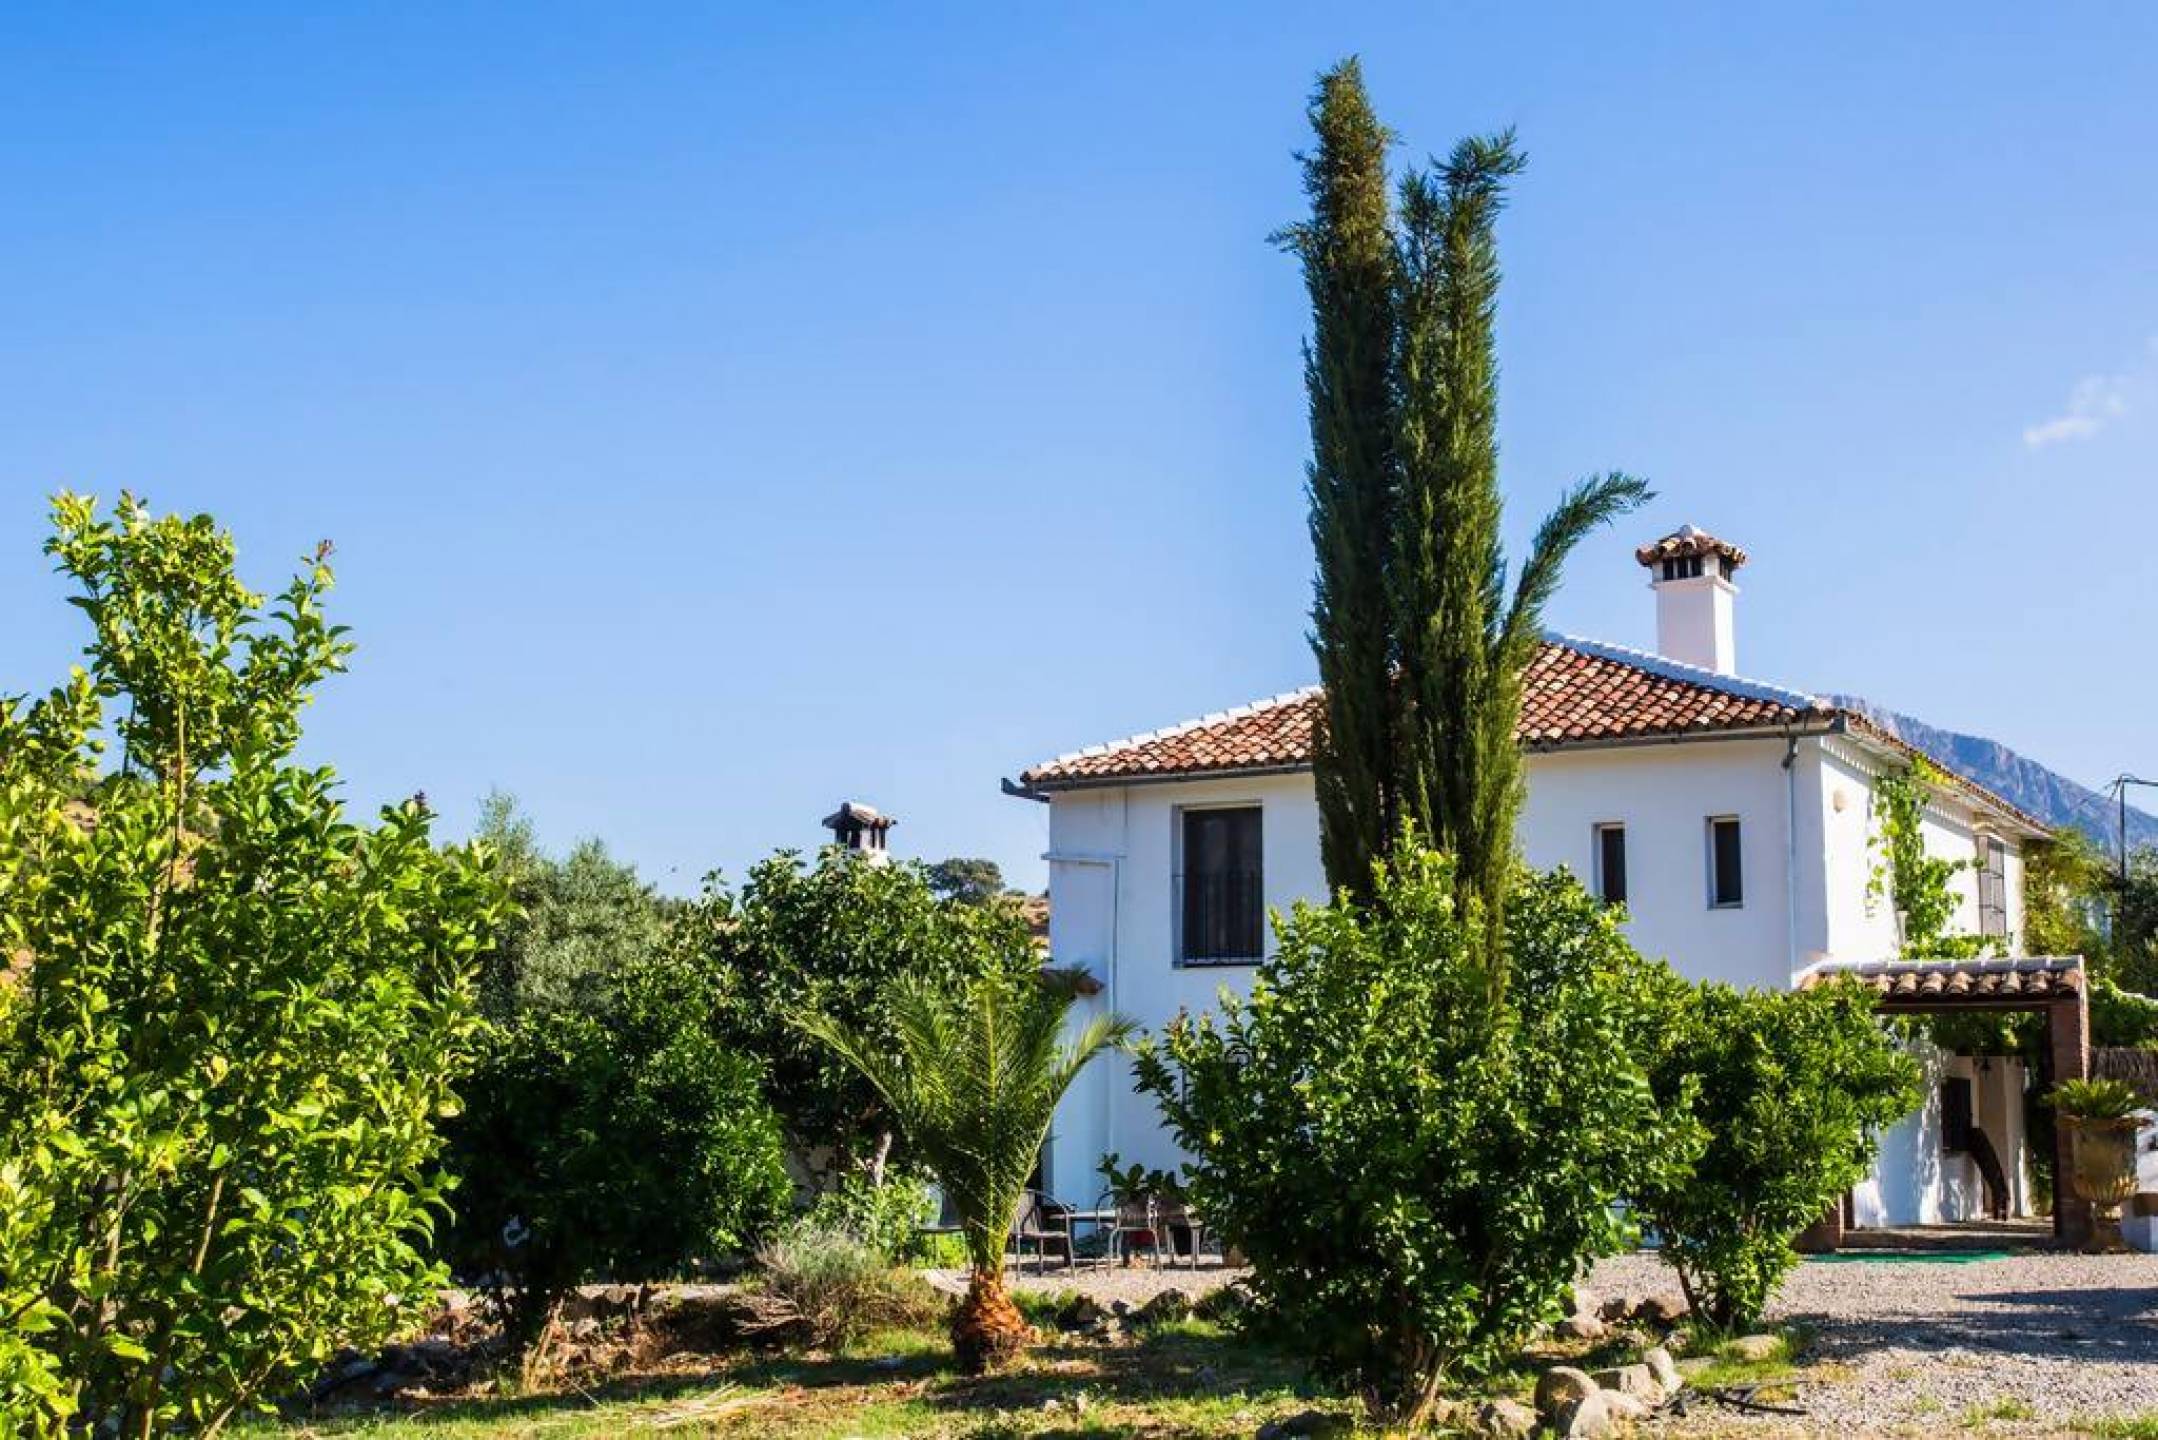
(1688, 541)
(853, 815)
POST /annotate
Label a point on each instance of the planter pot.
(2102, 1164)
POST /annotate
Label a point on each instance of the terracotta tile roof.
(1951, 982)
(1576, 692)
(1688, 541)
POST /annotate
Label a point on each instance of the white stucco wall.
(1665, 795)
(1112, 863)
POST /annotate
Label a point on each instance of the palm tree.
(973, 1081)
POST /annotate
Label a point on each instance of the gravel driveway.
(2030, 1342)
(2027, 1344)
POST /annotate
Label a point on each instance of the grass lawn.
(1186, 1379)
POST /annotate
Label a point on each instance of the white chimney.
(1690, 570)
(862, 829)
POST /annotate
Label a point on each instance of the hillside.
(2047, 794)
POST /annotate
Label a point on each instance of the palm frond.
(1594, 502)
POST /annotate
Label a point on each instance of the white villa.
(1732, 818)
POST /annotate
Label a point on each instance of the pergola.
(2053, 984)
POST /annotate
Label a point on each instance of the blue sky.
(724, 410)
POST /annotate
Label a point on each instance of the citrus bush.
(1416, 1173)
(1792, 1089)
(236, 1013)
(625, 1143)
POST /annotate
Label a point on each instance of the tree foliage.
(967, 881)
(1421, 648)
(1415, 1172)
(625, 1140)
(1351, 274)
(973, 1080)
(1792, 1089)
(579, 921)
(837, 937)
(236, 1014)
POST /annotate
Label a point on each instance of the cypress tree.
(1464, 646)
(1351, 272)
(1412, 579)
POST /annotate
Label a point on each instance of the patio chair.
(1171, 1215)
(1044, 1224)
(1133, 1224)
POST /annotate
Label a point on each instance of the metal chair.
(1046, 1225)
(1169, 1213)
(1134, 1222)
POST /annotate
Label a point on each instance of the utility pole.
(2120, 799)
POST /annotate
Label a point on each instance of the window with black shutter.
(1726, 876)
(1611, 864)
(1223, 911)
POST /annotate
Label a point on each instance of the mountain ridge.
(2046, 794)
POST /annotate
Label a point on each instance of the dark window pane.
(1955, 1115)
(1611, 864)
(1223, 906)
(1727, 887)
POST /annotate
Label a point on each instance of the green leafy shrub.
(1792, 1089)
(2096, 1099)
(1415, 1173)
(835, 938)
(237, 1014)
(624, 1143)
(888, 1218)
(841, 1285)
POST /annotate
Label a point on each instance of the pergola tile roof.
(1938, 983)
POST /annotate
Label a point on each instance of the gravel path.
(1134, 1284)
(2027, 1344)
(1927, 1349)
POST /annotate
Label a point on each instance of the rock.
(1581, 1300)
(1663, 1367)
(1620, 1406)
(1579, 1327)
(1307, 1422)
(1638, 1381)
(1560, 1385)
(1083, 1312)
(1663, 1309)
(1225, 1304)
(1587, 1419)
(1167, 1305)
(1506, 1420)
(1755, 1347)
(1693, 1365)
(1617, 1308)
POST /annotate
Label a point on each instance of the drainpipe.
(1790, 852)
(1114, 864)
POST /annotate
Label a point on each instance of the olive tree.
(235, 1012)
